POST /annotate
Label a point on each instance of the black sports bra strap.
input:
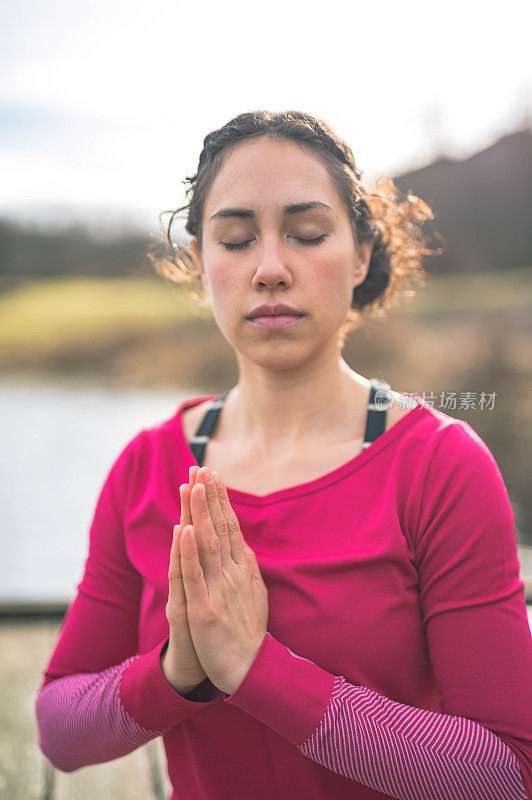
(379, 401)
(207, 425)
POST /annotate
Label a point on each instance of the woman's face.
(258, 181)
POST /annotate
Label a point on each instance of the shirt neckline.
(308, 487)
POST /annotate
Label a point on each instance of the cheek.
(226, 283)
(221, 274)
(331, 279)
(227, 292)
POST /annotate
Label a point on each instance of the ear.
(363, 259)
(199, 262)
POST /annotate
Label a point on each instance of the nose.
(271, 269)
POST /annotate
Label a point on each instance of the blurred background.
(103, 110)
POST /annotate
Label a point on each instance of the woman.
(339, 613)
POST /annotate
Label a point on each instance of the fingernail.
(208, 476)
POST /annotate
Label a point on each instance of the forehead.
(270, 173)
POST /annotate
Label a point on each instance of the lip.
(277, 321)
(273, 310)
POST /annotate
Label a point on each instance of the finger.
(176, 590)
(192, 472)
(235, 534)
(193, 577)
(217, 515)
(184, 494)
(207, 541)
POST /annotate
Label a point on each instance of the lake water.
(58, 442)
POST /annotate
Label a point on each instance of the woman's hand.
(180, 663)
(226, 597)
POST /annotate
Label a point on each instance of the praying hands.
(217, 605)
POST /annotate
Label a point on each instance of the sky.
(104, 105)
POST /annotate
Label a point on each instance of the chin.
(277, 354)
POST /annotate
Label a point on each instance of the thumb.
(252, 561)
(247, 549)
(177, 600)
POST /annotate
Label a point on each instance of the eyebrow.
(293, 208)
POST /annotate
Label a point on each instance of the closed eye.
(307, 242)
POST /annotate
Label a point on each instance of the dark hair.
(382, 216)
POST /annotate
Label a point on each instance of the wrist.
(177, 682)
(233, 681)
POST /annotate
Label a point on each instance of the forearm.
(81, 720)
(89, 718)
(410, 753)
(406, 752)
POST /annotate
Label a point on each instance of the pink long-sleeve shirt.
(398, 657)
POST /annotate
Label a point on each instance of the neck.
(278, 412)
